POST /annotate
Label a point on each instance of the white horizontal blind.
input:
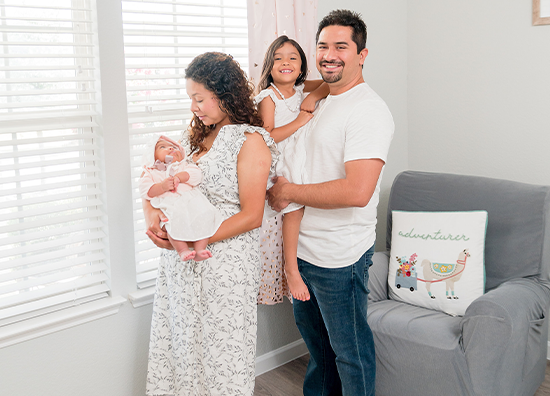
(161, 37)
(51, 219)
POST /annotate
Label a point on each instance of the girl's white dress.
(203, 330)
(273, 285)
(191, 217)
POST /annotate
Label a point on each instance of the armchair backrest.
(517, 243)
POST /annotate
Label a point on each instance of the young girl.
(168, 181)
(281, 94)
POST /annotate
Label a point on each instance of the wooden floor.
(287, 380)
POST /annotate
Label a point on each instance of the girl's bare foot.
(186, 255)
(203, 255)
(297, 287)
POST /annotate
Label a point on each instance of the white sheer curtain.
(269, 19)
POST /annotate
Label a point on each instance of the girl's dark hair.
(223, 76)
(269, 61)
(346, 18)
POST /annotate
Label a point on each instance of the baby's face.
(164, 148)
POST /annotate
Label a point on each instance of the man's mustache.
(331, 63)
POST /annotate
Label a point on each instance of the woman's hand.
(153, 218)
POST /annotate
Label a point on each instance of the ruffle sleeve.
(264, 94)
(238, 138)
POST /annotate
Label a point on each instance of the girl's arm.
(312, 85)
(320, 92)
(253, 164)
(266, 109)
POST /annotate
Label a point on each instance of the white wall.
(108, 357)
(479, 89)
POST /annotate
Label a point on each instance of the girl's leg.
(200, 248)
(291, 230)
(182, 249)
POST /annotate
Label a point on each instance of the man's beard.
(331, 77)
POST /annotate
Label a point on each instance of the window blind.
(161, 37)
(52, 252)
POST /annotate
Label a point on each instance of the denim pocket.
(368, 262)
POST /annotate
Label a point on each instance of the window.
(52, 253)
(161, 37)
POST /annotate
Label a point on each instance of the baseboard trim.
(280, 356)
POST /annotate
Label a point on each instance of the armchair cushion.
(437, 259)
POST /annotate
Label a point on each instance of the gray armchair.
(499, 347)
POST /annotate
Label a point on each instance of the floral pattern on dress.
(203, 330)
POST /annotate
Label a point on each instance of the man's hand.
(275, 195)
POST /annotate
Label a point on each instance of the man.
(346, 152)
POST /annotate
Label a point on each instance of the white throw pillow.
(437, 259)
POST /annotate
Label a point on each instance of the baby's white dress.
(191, 217)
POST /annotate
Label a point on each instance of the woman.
(203, 332)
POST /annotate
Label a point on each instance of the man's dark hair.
(346, 18)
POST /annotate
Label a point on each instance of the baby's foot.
(297, 287)
(187, 255)
(203, 255)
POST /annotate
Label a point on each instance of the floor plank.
(287, 380)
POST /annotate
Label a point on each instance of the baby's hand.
(303, 118)
(168, 184)
(176, 182)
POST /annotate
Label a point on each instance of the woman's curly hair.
(223, 76)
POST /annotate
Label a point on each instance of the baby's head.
(166, 147)
(158, 148)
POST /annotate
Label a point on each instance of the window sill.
(56, 321)
(142, 297)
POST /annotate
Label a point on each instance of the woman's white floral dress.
(203, 332)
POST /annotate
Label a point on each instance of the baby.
(169, 181)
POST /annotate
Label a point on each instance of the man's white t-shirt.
(356, 124)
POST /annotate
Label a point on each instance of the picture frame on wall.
(541, 12)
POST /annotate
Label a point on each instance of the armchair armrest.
(378, 276)
(502, 335)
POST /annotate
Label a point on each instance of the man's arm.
(355, 190)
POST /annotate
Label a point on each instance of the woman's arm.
(253, 164)
(153, 217)
(266, 109)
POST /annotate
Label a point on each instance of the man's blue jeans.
(333, 324)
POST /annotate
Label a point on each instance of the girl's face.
(205, 105)
(164, 148)
(287, 65)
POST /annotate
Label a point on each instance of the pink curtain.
(269, 19)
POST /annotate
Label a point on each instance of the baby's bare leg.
(182, 248)
(200, 248)
(291, 230)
